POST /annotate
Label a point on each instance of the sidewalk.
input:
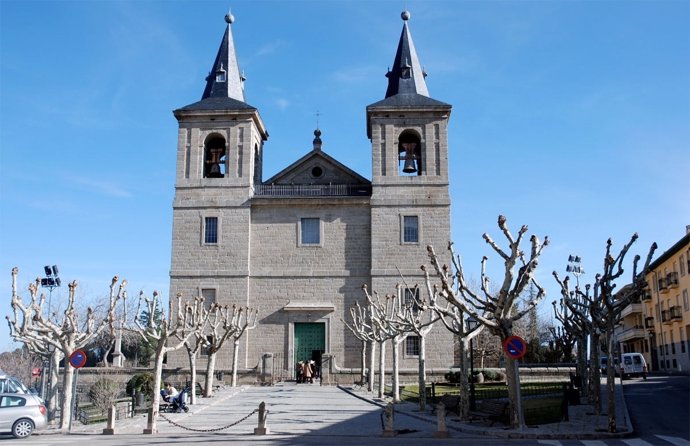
(313, 411)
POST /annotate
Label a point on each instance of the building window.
(682, 342)
(682, 265)
(411, 297)
(210, 230)
(209, 295)
(410, 229)
(310, 231)
(412, 346)
(686, 304)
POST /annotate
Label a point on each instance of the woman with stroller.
(177, 399)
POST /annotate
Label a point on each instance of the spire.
(225, 79)
(407, 75)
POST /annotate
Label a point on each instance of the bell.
(409, 165)
(214, 171)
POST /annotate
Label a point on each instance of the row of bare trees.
(588, 314)
(191, 324)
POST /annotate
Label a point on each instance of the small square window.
(211, 230)
(412, 346)
(410, 229)
(411, 298)
(310, 231)
(221, 76)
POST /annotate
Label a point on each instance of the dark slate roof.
(218, 104)
(232, 84)
(679, 245)
(408, 100)
(407, 75)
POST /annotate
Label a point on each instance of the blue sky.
(570, 116)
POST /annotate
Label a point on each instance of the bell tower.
(410, 203)
(219, 161)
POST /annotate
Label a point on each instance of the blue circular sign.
(77, 359)
(515, 347)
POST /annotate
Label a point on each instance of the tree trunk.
(363, 375)
(422, 374)
(210, 371)
(595, 372)
(382, 368)
(582, 364)
(52, 396)
(235, 352)
(395, 344)
(192, 372)
(158, 370)
(517, 419)
(611, 380)
(372, 366)
(66, 405)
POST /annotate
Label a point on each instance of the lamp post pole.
(471, 325)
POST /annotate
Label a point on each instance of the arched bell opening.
(215, 157)
(409, 154)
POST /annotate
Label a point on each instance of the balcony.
(649, 323)
(631, 309)
(666, 317)
(663, 289)
(672, 280)
(636, 332)
(676, 312)
(646, 295)
(312, 190)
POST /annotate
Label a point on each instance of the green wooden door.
(310, 341)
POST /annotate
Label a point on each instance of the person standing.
(307, 372)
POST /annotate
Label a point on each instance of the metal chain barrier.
(208, 430)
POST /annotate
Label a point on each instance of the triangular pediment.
(317, 167)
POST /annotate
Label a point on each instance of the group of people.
(306, 371)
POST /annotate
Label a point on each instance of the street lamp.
(50, 281)
(575, 268)
(472, 324)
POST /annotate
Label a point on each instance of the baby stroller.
(179, 402)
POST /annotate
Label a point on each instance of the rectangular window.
(209, 295)
(686, 304)
(411, 297)
(211, 230)
(682, 265)
(310, 231)
(410, 229)
(412, 346)
(682, 342)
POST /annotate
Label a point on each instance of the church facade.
(300, 245)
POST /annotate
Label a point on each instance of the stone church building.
(299, 246)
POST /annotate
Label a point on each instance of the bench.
(492, 410)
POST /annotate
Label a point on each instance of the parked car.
(10, 384)
(633, 364)
(21, 414)
(603, 364)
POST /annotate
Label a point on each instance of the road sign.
(77, 359)
(515, 347)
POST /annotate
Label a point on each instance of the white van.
(633, 364)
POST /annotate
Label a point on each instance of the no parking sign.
(515, 347)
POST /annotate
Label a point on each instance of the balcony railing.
(663, 288)
(631, 309)
(312, 190)
(646, 295)
(672, 280)
(649, 322)
(676, 312)
(666, 316)
(636, 332)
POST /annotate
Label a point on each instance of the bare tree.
(199, 319)
(165, 335)
(243, 321)
(43, 334)
(361, 328)
(455, 320)
(496, 310)
(20, 363)
(579, 325)
(606, 307)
